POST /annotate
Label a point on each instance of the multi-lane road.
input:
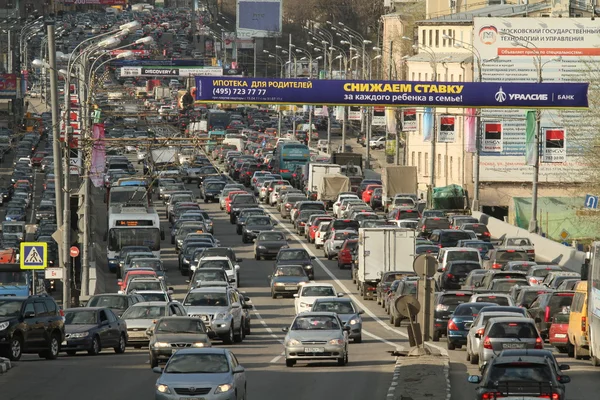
(367, 376)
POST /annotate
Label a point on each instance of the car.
(268, 244)
(536, 273)
(304, 299)
(202, 275)
(554, 278)
(93, 328)
(211, 373)
(210, 190)
(518, 377)
(224, 262)
(476, 330)
(117, 303)
(220, 309)
(406, 287)
(238, 203)
(346, 310)
(316, 336)
(244, 214)
(256, 224)
(527, 294)
(287, 280)
(547, 354)
(141, 316)
(501, 333)
(445, 304)
(462, 318)
(334, 242)
(547, 305)
(296, 256)
(170, 334)
(30, 325)
(455, 274)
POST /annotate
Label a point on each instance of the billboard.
(378, 116)
(409, 119)
(447, 129)
(554, 145)
(354, 113)
(492, 137)
(173, 72)
(158, 63)
(390, 93)
(8, 86)
(567, 49)
(258, 18)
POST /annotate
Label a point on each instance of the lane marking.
(270, 331)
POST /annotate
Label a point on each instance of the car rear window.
(352, 245)
(560, 302)
(477, 228)
(471, 309)
(506, 285)
(462, 255)
(436, 223)
(340, 224)
(521, 330)
(521, 371)
(313, 206)
(542, 272)
(448, 238)
(392, 277)
(500, 300)
(343, 235)
(453, 300)
(463, 269)
(408, 214)
(507, 256)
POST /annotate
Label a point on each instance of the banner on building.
(378, 116)
(470, 130)
(339, 113)
(354, 113)
(171, 72)
(8, 85)
(446, 129)
(554, 149)
(409, 119)
(492, 137)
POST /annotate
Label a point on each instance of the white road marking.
(270, 331)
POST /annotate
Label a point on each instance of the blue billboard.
(392, 93)
(258, 18)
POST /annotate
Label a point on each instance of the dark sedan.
(268, 244)
(287, 280)
(296, 257)
(118, 303)
(255, 225)
(211, 189)
(244, 214)
(173, 333)
(93, 328)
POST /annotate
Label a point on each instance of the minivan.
(578, 345)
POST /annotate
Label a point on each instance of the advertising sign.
(447, 129)
(230, 40)
(354, 113)
(378, 116)
(492, 137)
(173, 72)
(567, 48)
(101, 2)
(409, 119)
(8, 85)
(258, 18)
(391, 93)
(158, 63)
(554, 149)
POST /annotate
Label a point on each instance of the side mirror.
(187, 281)
(275, 223)
(564, 367)
(474, 379)
(239, 260)
(313, 257)
(361, 312)
(238, 370)
(157, 370)
(246, 298)
(170, 292)
(286, 329)
(296, 295)
(440, 269)
(235, 305)
(119, 282)
(121, 292)
(171, 289)
(564, 378)
(346, 328)
(478, 336)
(236, 266)
(231, 280)
(340, 295)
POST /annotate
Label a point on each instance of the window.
(423, 37)
(430, 37)
(451, 167)
(437, 38)
(50, 306)
(29, 309)
(40, 309)
(412, 159)
(419, 166)
(426, 164)
(439, 165)
(111, 316)
(103, 316)
(443, 38)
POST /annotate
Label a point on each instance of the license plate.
(291, 288)
(513, 345)
(314, 350)
(560, 335)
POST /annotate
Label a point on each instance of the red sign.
(74, 251)
(8, 85)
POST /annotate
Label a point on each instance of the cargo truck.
(351, 164)
(382, 250)
(315, 173)
(398, 180)
(331, 186)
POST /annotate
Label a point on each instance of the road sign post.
(425, 267)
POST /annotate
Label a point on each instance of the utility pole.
(57, 157)
(255, 56)
(344, 116)
(368, 123)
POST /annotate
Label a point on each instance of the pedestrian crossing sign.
(34, 255)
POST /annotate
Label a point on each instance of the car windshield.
(512, 256)
(463, 269)
(339, 307)
(523, 267)
(215, 264)
(144, 312)
(271, 236)
(204, 299)
(154, 296)
(215, 186)
(463, 255)
(520, 372)
(261, 221)
(243, 199)
(344, 235)
(197, 364)
(318, 291)
(470, 309)
(10, 307)
(80, 318)
(500, 300)
(154, 264)
(13, 228)
(180, 325)
(516, 330)
(290, 271)
(137, 285)
(108, 301)
(210, 276)
(321, 322)
(293, 255)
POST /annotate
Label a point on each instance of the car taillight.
(491, 396)
(371, 289)
(531, 251)
(423, 228)
(480, 331)
(294, 175)
(486, 234)
(539, 343)
(61, 311)
(284, 170)
(450, 276)
(270, 189)
(496, 266)
(452, 326)
(486, 343)
(547, 314)
(583, 324)
(248, 173)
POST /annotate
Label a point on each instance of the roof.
(202, 350)
(454, 57)
(511, 319)
(318, 284)
(211, 289)
(150, 303)
(496, 10)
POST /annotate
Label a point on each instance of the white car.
(322, 145)
(232, 271)
(274, 195)
(304, 299)
(345, 203)
(338, 201)
(336, 239)
(378, 143)
(320, 234)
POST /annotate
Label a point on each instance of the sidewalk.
(37, 105)
(421, 378)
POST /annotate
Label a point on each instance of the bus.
(132, 226)
(133, 196)
(15, 281)
(217, 120)
(289, 155)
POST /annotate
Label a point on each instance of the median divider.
(5, 365)
(419, 377)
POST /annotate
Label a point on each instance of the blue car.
(460, 322)
(15, 214)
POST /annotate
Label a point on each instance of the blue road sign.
(34, 255)
(591, 201)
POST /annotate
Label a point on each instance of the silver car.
(203, 373)
(346, 310)
(334, 242)
(504, 333)
(141, 316)
(316, 336)
(476, 330)
(221, 310)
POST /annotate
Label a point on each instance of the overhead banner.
(174, 72)
(409, 119)
(8, 85)
(447, 129)
(158, 63)
(378, 116)
(492, 137)
(354, 114)
(390, 93)
(555, 145)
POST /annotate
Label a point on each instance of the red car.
(36, 160)
(557, 335)
(345, 253)
(368, 192)
(230, 197)
(312, 230)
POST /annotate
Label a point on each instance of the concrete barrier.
(546, 250)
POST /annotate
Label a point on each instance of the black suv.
(31, 324)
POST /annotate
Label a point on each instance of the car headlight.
(293, 342)
(279, 284)
(185, 261)
(261, 247)
(3, 325)
(285, 246)
(209, 223)
(353, 322)
(224, 388)
(163, 388)
(336, 341)
(161, 344)
(308, 266)
(199, 344)
(221, 316)
(79, 335)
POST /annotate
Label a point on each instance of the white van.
(447, 254)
